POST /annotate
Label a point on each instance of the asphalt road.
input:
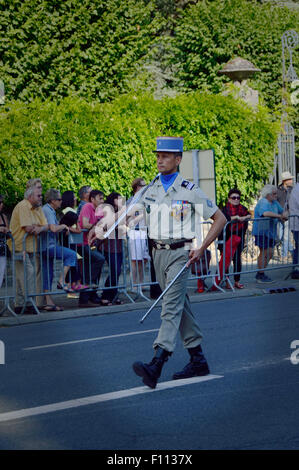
(249, 402)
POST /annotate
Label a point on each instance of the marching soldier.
(173, 208)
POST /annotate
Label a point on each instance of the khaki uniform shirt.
(177, 213)
(24, 214)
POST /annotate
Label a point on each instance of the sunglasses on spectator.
(59, 199)
(235, 197)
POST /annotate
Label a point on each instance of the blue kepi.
(170, 144)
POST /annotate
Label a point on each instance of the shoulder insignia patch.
(187, 184)
(209, 203)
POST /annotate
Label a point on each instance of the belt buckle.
(158, 246)
(167, 246)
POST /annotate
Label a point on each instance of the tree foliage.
(107, 145)
(95, 48)
(71, 69)
(210, 33)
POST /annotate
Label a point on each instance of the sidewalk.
(71, 309)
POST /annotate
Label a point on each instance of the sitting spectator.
(69, 215)
(92, 259)
(4, 229)
(53, 250)
(138, 244)
(88, 217)
(265, 231)
(112, 247)
(70, 219)
(28, 219)
(294, 226)
(84, 193)
(68, 202)
(238, 215)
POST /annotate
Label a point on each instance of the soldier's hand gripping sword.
(134, 201)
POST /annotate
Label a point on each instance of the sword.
(134, 201)
(164, 292)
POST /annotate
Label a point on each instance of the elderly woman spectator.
(71, 219)
(238, 215)
(266, 214)
(294, 226)
(53, 250)
(4, 229)
(69, 214)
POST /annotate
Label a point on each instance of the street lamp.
(239, 70)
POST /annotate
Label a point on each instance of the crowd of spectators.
(59, 231)
(275, 223)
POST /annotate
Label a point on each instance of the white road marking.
(91, 400)
(99, 338)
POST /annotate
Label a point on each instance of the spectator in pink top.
(88, 217)
(93, 260)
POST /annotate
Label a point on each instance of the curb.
(125, 308)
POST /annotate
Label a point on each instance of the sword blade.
(164, 292)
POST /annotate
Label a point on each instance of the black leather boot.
(196, 367)
(152, 371)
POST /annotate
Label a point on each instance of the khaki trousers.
(31, 263)
(176, 312)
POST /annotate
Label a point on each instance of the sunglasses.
(235, 198)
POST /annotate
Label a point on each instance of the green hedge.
(58, 48)
(106, 145)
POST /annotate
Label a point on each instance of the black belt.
(169, 246)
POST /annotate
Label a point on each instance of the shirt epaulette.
(187, 184)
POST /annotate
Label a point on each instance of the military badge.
(179, 209)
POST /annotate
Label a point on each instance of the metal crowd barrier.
(240, 249)
(127, 265)
(7, 275)
(99, 267)
(207, 268)
(139, 263)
